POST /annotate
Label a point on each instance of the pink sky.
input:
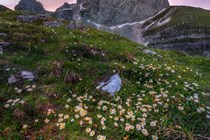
(53, 4)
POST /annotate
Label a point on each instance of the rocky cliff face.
(3, 8)
(177, 29)
(30, 6)
(66, 11)
(109, 12)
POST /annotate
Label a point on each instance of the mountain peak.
(30, 6)
(109, 12)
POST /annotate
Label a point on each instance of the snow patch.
(164, 22)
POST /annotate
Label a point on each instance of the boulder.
(3, 8)
(33, 18)
(52, 24)
(31, 6)
(3, 34)
(75, 25)
(1, 50)
(2, 45)
(23, 75)
(112, 86)
(66, 11)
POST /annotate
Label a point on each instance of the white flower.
(16, 100)
(10, 101)
(76, 116)
(103, 127)
(104, 108)
(66, 106)
(154, 137)
(145, 132)
(181, 108)
(19, 90)
(66, 116)
(138, 127)
(153, 123)
(88, 130)
(100, 137)
(6, 106)
(25, 126)
(92, 133)
(74, 95)
(69, 100)
(22, 102)
(30, 89)
(36, 121)
(116, 124)
(47, 121)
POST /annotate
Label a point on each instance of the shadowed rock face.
(3, 8)
(66, 11)
(30, 6)
(114, 12)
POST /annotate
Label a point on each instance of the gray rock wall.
(30, 6)
(114, 12)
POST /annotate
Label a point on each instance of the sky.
(51, 5)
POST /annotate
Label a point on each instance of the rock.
(66, 11)
(3, 8)
(152, 53)
(23, 75)
(32, 18)
(109, 12)
(52, 24)
(149, 52)
(1, 50)
(112, 86)
(2, 45)
(30, 6)
(74, 25)
(65, 6)
(3, 34)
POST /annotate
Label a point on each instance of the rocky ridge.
(109, 12)
(31, 6)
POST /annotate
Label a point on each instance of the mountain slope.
(180, 28)
(3, 8)
(163, 95)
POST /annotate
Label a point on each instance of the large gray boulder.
(66, 11)
(114, 12)
(31, 6)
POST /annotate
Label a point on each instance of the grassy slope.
(3, 8)
(37, 47)
(193, 18)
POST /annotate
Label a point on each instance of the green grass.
(188, 17)
(3, 8)
(37, 48)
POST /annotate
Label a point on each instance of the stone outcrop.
(3, 8)
(30, 6)
(109, 12)
(66, 12)
(183, 36)
(33, 18)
